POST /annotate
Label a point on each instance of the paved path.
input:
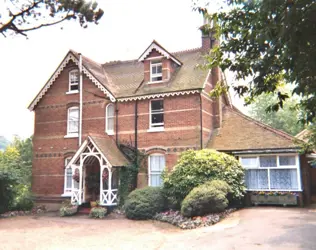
(254, 228)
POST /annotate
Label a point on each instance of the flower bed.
(175, 218)
(274, 198)
(35, 210)
(68, 210)
(98, 212)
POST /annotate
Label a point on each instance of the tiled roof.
(125, 78)
(240, 132)
(110, 150)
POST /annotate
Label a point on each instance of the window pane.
(156, 105)
(155, 79)
(157, 118)
(154, 69)
(268, 161)
(110, 124)
(249, 161)
(283, 179)
(110, 110)
(159, 69)
(73, 120)
(257, 179)
(74, 87)
(155, 180)
(156, 166)
(68, 178)
(287, 160)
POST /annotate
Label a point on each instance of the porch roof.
(110, 150)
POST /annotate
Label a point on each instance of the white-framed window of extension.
(156, 164)
(156, 115)
(73, 81)
(155, 71)
(67, 178)
(109, 119)
(272, 172)
(73, 122)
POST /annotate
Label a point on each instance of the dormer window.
(155, 71)
(74, 81)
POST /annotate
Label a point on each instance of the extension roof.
(242, 133)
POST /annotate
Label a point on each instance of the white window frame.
(149, 169)
(257, 167)
(76, 71)
(67, 191)
(107, 117)
(153, 75)
(162, 124)
(72, 134)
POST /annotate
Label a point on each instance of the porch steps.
(84, 210)
(313, 198)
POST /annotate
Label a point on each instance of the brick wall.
(181, 118)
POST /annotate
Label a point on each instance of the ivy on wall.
(128, 174)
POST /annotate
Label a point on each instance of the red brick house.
(159, 104)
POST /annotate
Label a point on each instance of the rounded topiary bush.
(144, 203)
(206, 198)
(197, 167)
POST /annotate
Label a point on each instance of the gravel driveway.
(254, 228)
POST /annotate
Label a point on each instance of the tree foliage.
(15, 176)
(286, 119)
(265, 42)
(21, 17)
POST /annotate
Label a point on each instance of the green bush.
(206, 198)
(98, 212)
(197, 167)
(144, 203)
(23, 200)
(8, 180)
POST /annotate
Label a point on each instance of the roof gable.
(156, 46)
(240, 132)
(91, 69)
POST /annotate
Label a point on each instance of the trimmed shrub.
(67, 209)
(206, 198)
(144, 203)
(197, 167)
(98, 212)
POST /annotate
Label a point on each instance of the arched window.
(74, 80)
(156, 164)
(73, 121)
(109, 119)
(67, 178)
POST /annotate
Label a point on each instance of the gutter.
(80, 100)
(136, 128)
(116, 125)
(201, 123)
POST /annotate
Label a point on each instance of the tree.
(23, 16)
(286, 119)
(265, 42)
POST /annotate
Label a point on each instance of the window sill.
(66, 195)
(156, 82)
(71, 136)
(72, 92)
(159, 129)
(110, 132)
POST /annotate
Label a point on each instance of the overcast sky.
(124, 32)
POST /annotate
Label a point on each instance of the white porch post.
(110, 186)
(101, 183)
(80, 180)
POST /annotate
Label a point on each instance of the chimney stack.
(208, 36)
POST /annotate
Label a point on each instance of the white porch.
(90, 160)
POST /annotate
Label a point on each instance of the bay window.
(272, 172)
(156, 164)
